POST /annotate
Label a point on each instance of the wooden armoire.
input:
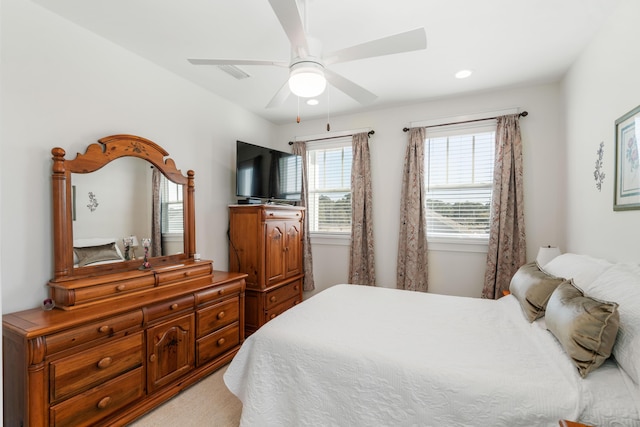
(265, 242)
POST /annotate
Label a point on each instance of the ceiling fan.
(308, 67)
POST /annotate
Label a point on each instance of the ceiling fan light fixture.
(307, 80)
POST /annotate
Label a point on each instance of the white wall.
(600, 87)
(457, 273)
(64, 86)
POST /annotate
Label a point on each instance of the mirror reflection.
(126, 201)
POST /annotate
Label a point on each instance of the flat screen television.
(265, 173)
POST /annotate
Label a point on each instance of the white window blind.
(171, 206)
(329, 169)
(289, 177)
(459, 180)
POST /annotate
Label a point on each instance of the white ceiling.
(506, 43)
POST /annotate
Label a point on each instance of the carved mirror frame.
(96, 156)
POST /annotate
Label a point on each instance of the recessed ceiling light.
(312, 102)
(463, 74)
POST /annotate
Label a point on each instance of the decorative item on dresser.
(120, 340)
(265, 242)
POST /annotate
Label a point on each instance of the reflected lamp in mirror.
(130, 243)
(546, 254)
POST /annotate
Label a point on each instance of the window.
(289, 177)
(459, 180)
(329, 176)
(171, 206)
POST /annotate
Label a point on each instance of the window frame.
(165, 205)
(326, 237)
(463, 242)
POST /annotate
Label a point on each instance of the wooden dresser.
(266, 244)
(125, 335)
(109, 362)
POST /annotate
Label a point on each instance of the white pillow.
(621, 284)
(583, 269)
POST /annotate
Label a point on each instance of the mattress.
(364, 356)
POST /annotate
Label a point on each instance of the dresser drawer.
(167, 308)
(215, 317)
(219, 292)
(283, 293)
(93, 331)
(281, 214)
(218, 343)
(191, 271)
(276, 311)
(90, 407)
(91, 293)
(73, 294)
(76, 373)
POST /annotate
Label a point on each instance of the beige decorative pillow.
(92, 254)
(532, 288)
(585, 327)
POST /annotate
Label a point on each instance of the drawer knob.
(152, 358)
(221, 341)
(221, 291)
(187, 273)
(104, 329)
(220, 315)
(173, 306)
(104, 402)
(104, 363)
(273, 298)
(120, 288)
(295, 288)
(272, 316)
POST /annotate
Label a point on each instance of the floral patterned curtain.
(300, 148)
(412, 245)
(361, 262)
(507, 246)
(156, 214)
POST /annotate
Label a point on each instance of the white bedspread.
(363, 356)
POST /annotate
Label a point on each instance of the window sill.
(335, 239)
(462, 244)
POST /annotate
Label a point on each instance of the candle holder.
(146, 242)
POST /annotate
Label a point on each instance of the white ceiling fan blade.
(355, 91)
(196, 61)
(280, 96)
(403, 42)
(289, 17)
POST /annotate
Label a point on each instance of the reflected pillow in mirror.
(93, 254)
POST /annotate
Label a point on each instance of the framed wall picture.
(627, 182)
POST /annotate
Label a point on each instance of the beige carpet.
(206, 403)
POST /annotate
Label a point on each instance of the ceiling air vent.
(234, 71)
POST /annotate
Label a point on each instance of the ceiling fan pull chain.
(328, 125)
(298, 118)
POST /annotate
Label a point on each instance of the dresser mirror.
(106, 201)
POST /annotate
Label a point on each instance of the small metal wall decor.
(598, 174)
(93, 202)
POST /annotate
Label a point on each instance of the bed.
(367, 356)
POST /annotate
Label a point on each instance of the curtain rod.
(371, 132)
(523, 114)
